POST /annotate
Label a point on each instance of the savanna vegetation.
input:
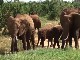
(48, 11)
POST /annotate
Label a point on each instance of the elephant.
(21, 27)
(44, 34)
(30, 32)
(13, 25)
(69, 24)
(57, 31)
(36, 20)
(50, 33)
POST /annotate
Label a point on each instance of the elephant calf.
(44, 34)
(57, 32)
(49, 32)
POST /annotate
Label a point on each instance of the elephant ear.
(24, 26)
(10, 22)
(12, 26)
(17, 21)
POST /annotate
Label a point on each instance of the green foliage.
(76, 4)
(1, 2)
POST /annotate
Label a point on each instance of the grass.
(44, 20)
(44, 54)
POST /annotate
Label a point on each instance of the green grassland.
(44, 54)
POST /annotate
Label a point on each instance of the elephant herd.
(23, 27)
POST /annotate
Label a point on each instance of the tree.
(16, 0)
(1, 2)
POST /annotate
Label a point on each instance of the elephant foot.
(24, 48)
(50, 45)
(70, 45)
(28, 48)
(40, 43)
(34, 47)
(62, 47)
(59, 46)
(37, 45)
(12, 50)
(77, 47)
(53, 46)
(16, 50)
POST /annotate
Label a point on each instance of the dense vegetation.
(50, 9)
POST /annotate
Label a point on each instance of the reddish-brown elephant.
(22, 27)
(13, 25)
(49, 32)
(44, 34)
(69, 25)
(36, 20)
(30, 31)
(57, 32)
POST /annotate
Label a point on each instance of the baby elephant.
(57, 32)
(44, 33)
(49, 32)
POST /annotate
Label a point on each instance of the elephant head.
(24, 26)
(13, 25)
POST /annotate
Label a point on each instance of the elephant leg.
(54, 43)
(57, 41)
(76, 34)
(67, 41)
(64, 35)
(38, 40)
(33, 41)
(70, 41)
(48, 42)
(15, 44)
(58, 44)
(28, 44)
(50, 39)
(42, 41)
(12, 44)
(51, 42)
(38, 29)
(24, 42)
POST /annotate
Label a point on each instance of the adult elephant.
(21, 27)
(68, 23)
(29, 31)
(36, 20)
(13, 25)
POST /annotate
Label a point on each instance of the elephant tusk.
(16, 38)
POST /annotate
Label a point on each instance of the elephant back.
(29, 19)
